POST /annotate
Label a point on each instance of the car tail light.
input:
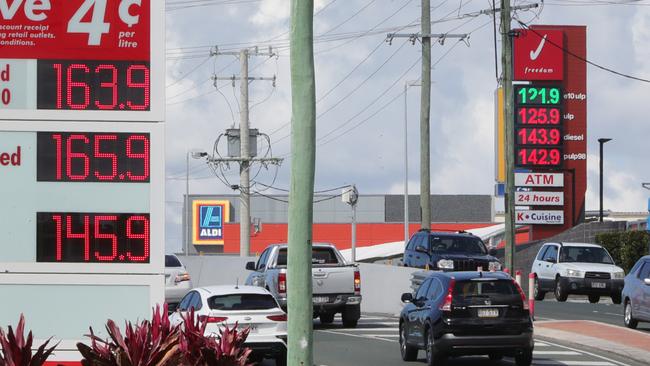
(446, 305)
(278, 318)
(282, 283)
(212, 319)
(357, 282)
(184, 276)
(523, 296)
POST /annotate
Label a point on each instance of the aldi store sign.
(535, 217)
(207, 221)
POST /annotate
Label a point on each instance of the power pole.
(506, 65)
(425, 113)
(301, 195)
(244, 136)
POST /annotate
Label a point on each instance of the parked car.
(636, 294)
(249, 306)
(466, 313)
(177, 281)
(576, 268)
(445, 251)
(336, 284)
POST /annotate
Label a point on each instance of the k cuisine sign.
(539, 55)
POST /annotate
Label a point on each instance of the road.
(375, 342)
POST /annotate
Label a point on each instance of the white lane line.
(541, 344)
(355, 335)
(378, 323)
(557, 353)
(572, 363)
(384, 335)
(366, 330)
(589, 353)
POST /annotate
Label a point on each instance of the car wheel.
(408, 353)
(434, 358)
(560, 292)
(537, 291)
(351, 315)
(525, 358)
(496, 357)
(616, 298)
(594, 299)
(629, 321)
(326, 318)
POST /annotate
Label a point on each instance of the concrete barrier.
(381, 285)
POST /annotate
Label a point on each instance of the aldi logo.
(539, 55)
(208, 217)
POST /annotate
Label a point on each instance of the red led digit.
(59, 237)
(85, 235)
(555, 156)
(144, 85)
(59, 85)
(57, 140)
(144, 236)
(555, 136)
(144, 155)
(105, 155)
(554, 116)
(99, 235)
(74, 155)
(112, 85)
(78, 84)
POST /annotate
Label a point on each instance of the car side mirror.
(492, 252)
(647, 281)
(407, 297)
(421, 249)
(250, 266)
(551, 260)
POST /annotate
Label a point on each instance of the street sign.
(538, 217)
(539, 179)
(539, 198)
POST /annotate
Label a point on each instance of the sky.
(360, 80)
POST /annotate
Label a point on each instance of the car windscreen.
(585, 255)
(457, 244)
(172, 261)
(242, 302)
(476, 291)
(318, 256)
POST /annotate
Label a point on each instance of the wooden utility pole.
(425, 110)
(303, 155)
(508, 113)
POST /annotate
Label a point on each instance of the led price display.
(538, 95)
(92, 237)
(538, 116)
(93, 85)
(538, 136)
(538, 157)
(92, 157)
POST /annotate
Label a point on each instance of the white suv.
(575, 268)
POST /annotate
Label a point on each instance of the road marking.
(366, 329)
(589, 353)
(563, 353)
(541, 344)
(572, 363)
(355, 335)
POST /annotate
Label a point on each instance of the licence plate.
(321, 299)
(488, 313)
(598, 285)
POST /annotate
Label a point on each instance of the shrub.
(17, 350)
(626, 247)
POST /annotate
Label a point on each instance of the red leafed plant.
(149, 343)
(16, 350)
(227, 349)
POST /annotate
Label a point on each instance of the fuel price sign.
(96, 56)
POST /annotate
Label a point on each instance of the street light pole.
(601, 142)
(196, 155)
(406, 162)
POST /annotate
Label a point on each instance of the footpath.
(629, 343)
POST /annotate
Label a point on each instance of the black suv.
(444, 251)
(466, 313)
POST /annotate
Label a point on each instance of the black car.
(446, 251)
(466, 313)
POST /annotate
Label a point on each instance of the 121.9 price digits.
(92, 237)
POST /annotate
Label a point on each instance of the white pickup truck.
(336, 285)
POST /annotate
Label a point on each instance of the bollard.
(518, 277)
(531, 295)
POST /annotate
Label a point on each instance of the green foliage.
(16, 350)
(626, 247)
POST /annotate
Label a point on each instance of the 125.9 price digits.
(92, 237)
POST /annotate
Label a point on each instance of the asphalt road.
(375, 342)
(578, 308)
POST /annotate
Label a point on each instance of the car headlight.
(618, 275)
(574, 273)
(445, 264)
(495, 266)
